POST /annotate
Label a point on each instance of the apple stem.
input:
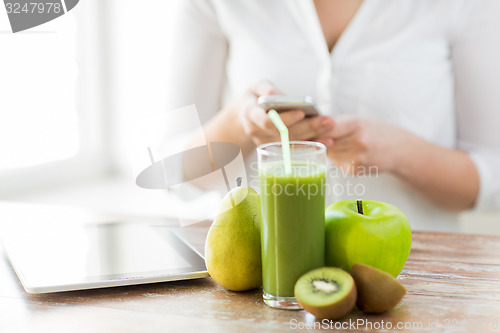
(360, 207)
(238, 181)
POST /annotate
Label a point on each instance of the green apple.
(368, 232)
(232, 249)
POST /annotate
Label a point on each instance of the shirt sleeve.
(476, 65)
(197, 57)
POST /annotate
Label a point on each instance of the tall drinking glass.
(293, 211)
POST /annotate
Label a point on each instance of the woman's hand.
(358, 143)
(448, 177)
(259, 127)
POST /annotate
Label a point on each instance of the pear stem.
(360, 207)
(238, 181)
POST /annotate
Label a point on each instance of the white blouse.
(429, 66)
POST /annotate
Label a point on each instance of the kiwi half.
(326, 292)
(378, 291)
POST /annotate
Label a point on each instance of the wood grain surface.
(453, 284)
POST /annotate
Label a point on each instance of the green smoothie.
(293, 231)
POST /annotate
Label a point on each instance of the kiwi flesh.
(327, 292)
(378, 291)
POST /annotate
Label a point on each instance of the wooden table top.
(452, 281)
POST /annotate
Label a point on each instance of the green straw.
(285, 142)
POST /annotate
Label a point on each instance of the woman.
(405, 88)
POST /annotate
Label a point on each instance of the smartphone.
(282, 103)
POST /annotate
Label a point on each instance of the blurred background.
(72, 92)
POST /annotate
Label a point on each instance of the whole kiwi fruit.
(327, 292)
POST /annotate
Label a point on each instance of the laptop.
(54, 249)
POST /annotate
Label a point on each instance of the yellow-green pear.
(232, 249)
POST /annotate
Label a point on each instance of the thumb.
(263, 88)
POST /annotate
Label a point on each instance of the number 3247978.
(33, 8)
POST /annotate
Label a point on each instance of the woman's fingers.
(344, 144)
(311, 128)
(344, 126)
(261, 119)
(260, 128)
(292, 117)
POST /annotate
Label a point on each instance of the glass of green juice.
(293, 217)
